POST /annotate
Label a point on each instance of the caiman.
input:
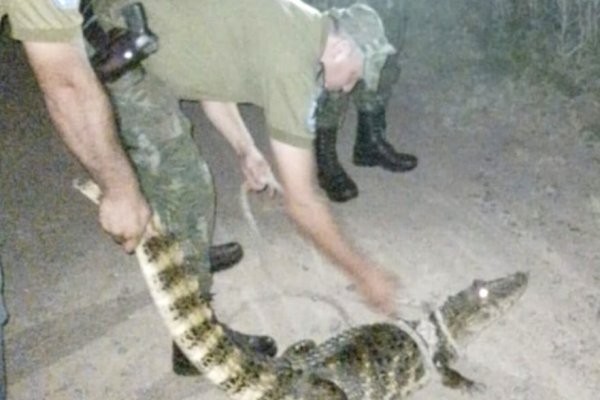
(370, 362)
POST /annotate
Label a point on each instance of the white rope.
(421, 341)
(439, 319)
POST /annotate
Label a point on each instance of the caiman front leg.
(454, 379)
(299, 350)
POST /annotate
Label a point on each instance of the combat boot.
(262, 345)
(372, 149)
(331, 176)
(224, 256)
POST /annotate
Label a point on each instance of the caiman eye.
(483, 292)
(481, 289)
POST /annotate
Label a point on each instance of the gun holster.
(121, 48)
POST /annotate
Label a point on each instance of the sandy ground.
(508, 180)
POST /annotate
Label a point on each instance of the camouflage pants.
(173, 176)
(332, 105)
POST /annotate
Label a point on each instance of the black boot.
(224, 256)
(372, 149)
(262, 345)
(331, 176)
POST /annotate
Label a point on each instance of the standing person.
(370, 99)
(279, 55)
(51, 35)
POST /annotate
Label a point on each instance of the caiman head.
(471, 310)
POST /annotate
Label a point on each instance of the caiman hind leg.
(313, 386)
(323, 389)
(297, 352)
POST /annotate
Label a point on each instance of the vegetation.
(553, 41)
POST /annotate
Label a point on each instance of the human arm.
(311, 214)
(82, 114)
(226, 118)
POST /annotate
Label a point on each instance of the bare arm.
(296, 167)
(82, 114)
(228, 121)
(311, 214)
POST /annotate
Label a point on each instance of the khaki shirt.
(264, 52)
(43, 20)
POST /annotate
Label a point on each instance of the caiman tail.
(192, 323)
(242, 374)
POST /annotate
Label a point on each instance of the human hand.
(124, 214)
(258, 173)
(378, 287)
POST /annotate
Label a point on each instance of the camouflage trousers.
(331, 105)
(174, 178)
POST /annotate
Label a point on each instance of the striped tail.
(192, 323)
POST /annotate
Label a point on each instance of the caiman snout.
(508, 289)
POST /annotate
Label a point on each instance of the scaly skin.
(389, 361)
